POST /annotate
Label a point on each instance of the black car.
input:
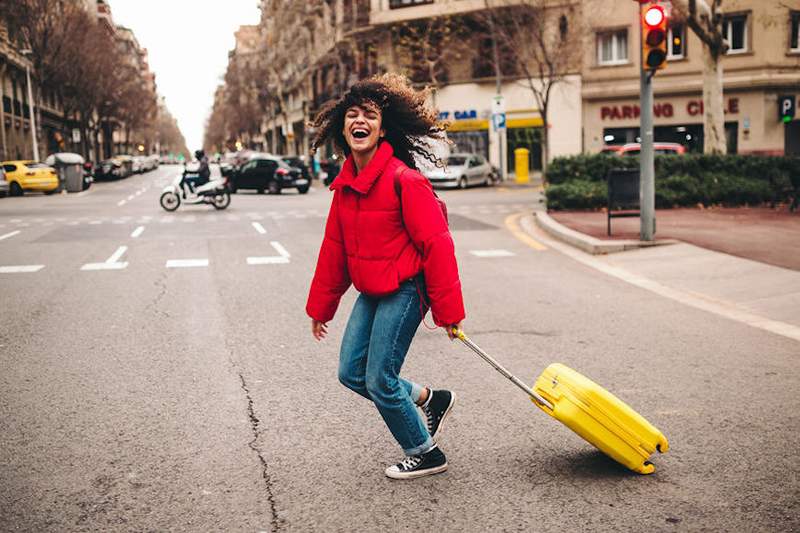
(267, 173)
(298, 162)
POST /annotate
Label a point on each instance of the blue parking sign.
(499, 121)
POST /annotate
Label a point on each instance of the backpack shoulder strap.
(398, 172)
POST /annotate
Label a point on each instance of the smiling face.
(362, 128)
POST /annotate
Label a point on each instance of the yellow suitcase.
(589, 410)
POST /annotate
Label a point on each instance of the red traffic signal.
(654, 37)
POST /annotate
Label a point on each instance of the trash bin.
(69, 168)
(521, 163)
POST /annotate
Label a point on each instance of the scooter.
(215, 192)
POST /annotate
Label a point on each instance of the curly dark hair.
(410, 124)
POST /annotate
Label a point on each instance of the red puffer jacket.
(376, 243)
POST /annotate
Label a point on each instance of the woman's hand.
(450, 330)
(318, 329)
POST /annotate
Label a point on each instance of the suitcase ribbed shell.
(600, 418)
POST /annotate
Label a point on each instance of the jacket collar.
(363, 181)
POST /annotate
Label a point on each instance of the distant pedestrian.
(387, 235)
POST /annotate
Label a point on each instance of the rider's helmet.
(199, 154)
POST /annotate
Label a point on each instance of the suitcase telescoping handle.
(497, 366)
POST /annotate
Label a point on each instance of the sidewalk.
(761, 234)
(742, 287)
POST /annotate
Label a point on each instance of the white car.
(463, 170)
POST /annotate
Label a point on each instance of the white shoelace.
(431, 419)
(410, 462)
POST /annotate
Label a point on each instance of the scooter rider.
(202, 175)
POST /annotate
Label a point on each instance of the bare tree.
(707, 22)
(426, 46)
(542, 42)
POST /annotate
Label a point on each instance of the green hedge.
(578, 182)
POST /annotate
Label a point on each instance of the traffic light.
(654, 36)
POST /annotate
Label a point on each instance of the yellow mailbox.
(521, 159)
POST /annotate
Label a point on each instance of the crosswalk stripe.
(18, 269)
(186, 263)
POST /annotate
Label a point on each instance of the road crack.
(253, 445)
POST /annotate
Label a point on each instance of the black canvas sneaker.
(431, 462)
(439, 406)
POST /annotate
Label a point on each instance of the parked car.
(267, 173)
(30, 176)
(112, 169)
(3, 183)
(463, 170)
(298, 162)
(659, 148)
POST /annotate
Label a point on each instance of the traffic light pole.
(647, 192)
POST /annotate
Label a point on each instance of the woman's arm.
(425, 222)
(331, 278)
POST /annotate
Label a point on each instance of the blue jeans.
(375, 343)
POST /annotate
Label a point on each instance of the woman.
(387, 235)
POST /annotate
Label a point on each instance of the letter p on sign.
(786, 108)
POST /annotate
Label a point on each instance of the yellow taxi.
(29, 176)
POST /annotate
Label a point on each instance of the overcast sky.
(188, 43)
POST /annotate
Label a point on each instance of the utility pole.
(26, 53)
(646, 160)
(498, 104)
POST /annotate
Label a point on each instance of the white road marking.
(282, 258)
(491, 253)
(112, 263)
(131, 197)
(259, 228)
(20, 269)
(73, 223)
(15, 220)
(9, 235)
(95, 222)
(186, 263)
(138, 231)
(120, 203)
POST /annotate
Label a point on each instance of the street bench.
(623, 194)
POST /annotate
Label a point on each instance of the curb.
(590, 244)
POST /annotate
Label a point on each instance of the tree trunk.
(545, 144)
(714, 140)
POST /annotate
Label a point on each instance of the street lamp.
(26, 53)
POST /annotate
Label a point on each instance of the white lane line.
(186, 263)
(95, 222)
(280, 249)
(491, 253)
(15, 220)
(282, 258)
(138, 231)
(20, 269)
(9, 235)
(131, 197)
(120, 203)
(112, 263)
(259, 228)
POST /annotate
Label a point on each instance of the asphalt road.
(149, 397)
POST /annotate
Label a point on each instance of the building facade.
(761, 67)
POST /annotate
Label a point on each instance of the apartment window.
(394, 4)
(735, 31)
(612, 47)
(676, 42)
(794, 38)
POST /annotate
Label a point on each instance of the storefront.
(467, 107)
(752, 123)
